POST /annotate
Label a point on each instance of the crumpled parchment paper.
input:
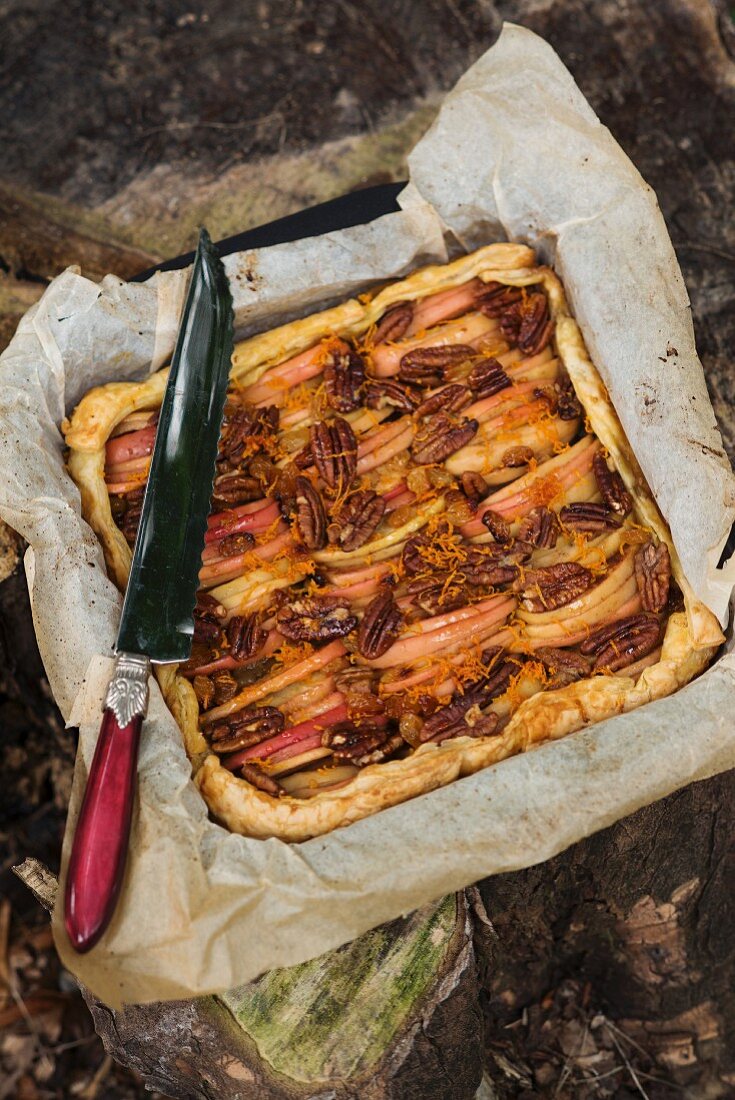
(515, 152)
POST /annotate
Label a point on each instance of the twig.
(5, 980)
(89, 1092)
(628, 1066)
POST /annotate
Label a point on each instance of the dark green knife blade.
(157, 615)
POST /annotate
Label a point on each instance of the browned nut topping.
(344, 375)
(553, 586)
(450, 399)
(565, 665)
(133, 510)
(246, 636)
(239, 428)
(235, 544)
(653, 575)
(334, 447)
(587, 518)
(379, 627)
(311, 517)
(462, 717)
(436, 595)
(208, 616)
(204, 691)
(516, 456)
(426, 366)
(474, 487)
(528, 324)
(497, 526)
(440, 437)
(358, 519)
(622, 643)
(315, 619)
(225, 686)
(394, 322)
(494, 298)
(235, 488)
(391, 394)
(493, 564)
(487, 378)
(568, 406)
(612, 487)
(540, 527)
(257, 778)
(361, 745)
(246, 728)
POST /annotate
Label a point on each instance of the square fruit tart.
(430, 547)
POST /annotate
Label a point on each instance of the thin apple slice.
(443, 306)
(386, 358)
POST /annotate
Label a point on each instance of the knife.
(157, 621)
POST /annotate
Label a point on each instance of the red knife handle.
(100, 844)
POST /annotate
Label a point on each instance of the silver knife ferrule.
(127, 694)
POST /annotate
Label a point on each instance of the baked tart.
(430, 547)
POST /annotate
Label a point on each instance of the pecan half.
(611, 486)
(231, 545)
(527, 323)
(235, 488)
(241, 426)
(434, 595)
(452, 719)
(257, 778)
(131, 517)
(208, 616)
(379, 627)
(344, 375)
(246, 636)
(315, 619)
(360, 745)
(553, 586)
(394, 322)
(450, 399)
(497, 526)
(568, 406)
(311, 517)
(516, 456)
(494, 565)
(246, 728)
(565, 665)
(440, 437)
(540, 527)
(623, 642)
(588, 518)
(653, 575)
(358, 519)
(334, 447)
(391, 394)
(474, 487)
(426, 366)
(487, 378)
(494, 298)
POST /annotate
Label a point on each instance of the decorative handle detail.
(100, 843)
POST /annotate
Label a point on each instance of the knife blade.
(157, 619)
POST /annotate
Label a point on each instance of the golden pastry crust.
(690, 640)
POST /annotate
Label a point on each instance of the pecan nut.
(653, 575)
(334, 448)
(434, 596)
(235, 488)
(611, 486)
(208, 616)
(426, 366)
(553, 586)
(311, 516)
(487, 378)
(258, 778)
(440, 437)
(453, 719)
(527, 323)
(568, 406)
(394, 323)
(494, 565)
(450, 399)
(246, 636)
(392, 395)
(361, 745)
(497, 526)
(243, 428)
(540, 527)
(492, 299)
(379, 627)
(588, 518)
(133, 511)
(344, 375)
(246, 728)
(358, 519)
(315, 619)
(565, 665)
(622, 643)
(474, 487)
